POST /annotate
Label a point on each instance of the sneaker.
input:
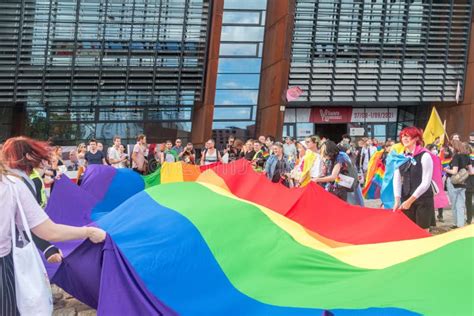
(453, 227)
(440, 219)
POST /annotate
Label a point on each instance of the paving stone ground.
(66, 305)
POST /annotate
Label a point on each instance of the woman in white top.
(39, 223)
(210, 155)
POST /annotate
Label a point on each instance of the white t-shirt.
(317, 167)
(115, 155)
(33, 212)
(367, 153)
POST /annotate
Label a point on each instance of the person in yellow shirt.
(310, 166)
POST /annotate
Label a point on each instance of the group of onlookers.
(459, 177)
(339, 168)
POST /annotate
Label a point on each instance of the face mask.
(434, 152)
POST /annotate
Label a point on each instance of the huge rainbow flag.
(233, 243)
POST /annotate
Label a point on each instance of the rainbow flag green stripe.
(265, 263)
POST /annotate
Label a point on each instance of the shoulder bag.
(33, 291)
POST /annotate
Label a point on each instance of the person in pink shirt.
(139, 154)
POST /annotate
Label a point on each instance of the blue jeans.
(355, 198)
(457, 196)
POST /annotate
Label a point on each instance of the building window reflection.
(105, 62)
(239, 69)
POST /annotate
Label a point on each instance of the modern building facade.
(195, 69)
(76, 69)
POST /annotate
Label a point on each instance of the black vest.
(411, 174)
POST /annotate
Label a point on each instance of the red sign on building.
(330, 115)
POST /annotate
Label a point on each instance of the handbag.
(460, 177)
(33, 291)
(345, 181)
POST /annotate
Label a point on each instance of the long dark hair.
(330, 149)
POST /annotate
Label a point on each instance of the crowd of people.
(340, 168)
(289, 162)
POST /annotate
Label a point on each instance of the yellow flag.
(398, 148)
(434, 128)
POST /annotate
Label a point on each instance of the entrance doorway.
(333, 132)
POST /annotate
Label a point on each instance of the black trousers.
(7, 287)
(469, 209)
(421, 212)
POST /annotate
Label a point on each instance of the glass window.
(242, 33)
(239, 65)
(232, 113)
(120, 115)
(239, 69)
(304, 130)
(239, 4)
(231, 125)
(236, 97)
(238, 81)
(103, 73)
(126, 130)
(169, 114)
(238, 49)
(239, 17)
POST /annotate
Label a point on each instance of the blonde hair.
(315, 139)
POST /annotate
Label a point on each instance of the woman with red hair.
(412, 180)
(18, 202)
(24, 153)
(23, 156)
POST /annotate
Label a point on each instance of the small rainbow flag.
(445, 162)
(375, 174)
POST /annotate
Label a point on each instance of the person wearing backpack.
(210, 155)
(458, 174)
